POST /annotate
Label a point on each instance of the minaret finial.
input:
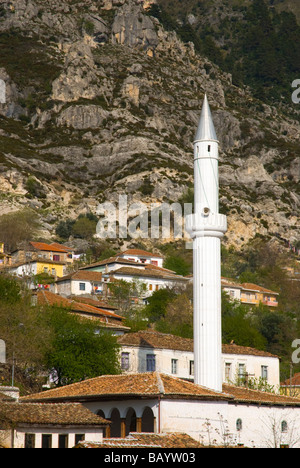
(206, 129)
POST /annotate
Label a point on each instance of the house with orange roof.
(142, 256)
(47, 425)
(40, 258)
(82, 282)
(104, 316)
(149, 350)
(249, 293)
(156, 403)
(131, 268)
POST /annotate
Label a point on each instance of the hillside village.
(55, 277)
(118, 344)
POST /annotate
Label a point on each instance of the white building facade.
(149, 351)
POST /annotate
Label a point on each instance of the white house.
(147, 351)
(133, 268)
(79, 283)
(160, 403)
(142, 256)
(50, 425)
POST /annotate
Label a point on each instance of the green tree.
(178, 319)
(19, 226)
(177, 264)
(157, 303)
(79, 350)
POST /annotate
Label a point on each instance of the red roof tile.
(140, 253)
(154, 385)
(47, 247)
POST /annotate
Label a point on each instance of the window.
(30, 441)
(150, 362)
(154, 262)
(239, 424)
(242, 370)
(150, 287)
(284, 426)
(191, 367)
(264, 372)
(63, 441)
(227, 371)
(208, 148)
(174, 363)
(81, 286)
(125, 361)
(56, 258)
(78, 438)
(46, 441)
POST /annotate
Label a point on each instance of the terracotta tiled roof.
(294, 381)
(145, 440)
(153, 385)
(82, 275)
(150, 384)
(93, 302)
(256, 287)
(148, 273)
(110, 260)
(50, 414)
(47, 247)
(140, 253)
(246, 350)
(245, 395)
(49, 298)
(154, 339)
(61, 246)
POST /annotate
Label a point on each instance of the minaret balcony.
(206, 224)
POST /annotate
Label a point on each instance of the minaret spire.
(206, 129)
(206, 227)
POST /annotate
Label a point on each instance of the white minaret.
(206, 227)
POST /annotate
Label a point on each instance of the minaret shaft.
(206, 226)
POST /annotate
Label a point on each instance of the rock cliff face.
(101, 100)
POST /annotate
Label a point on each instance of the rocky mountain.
(102, 99)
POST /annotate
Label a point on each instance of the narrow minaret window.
(208, 149)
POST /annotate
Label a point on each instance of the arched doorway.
(106, 432)
(148, 420)
(115, 427)
(130, 421)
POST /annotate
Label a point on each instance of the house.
(255, 295)
(154, 277)
(79, 283)
(249, 293)
(104, 316)
(41, 250)
(162, 404)
(31, 268)
(142, 256)
(291, 386)
(50, 425)
(39, 258)
(148, 350)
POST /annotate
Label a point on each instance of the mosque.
(207, 410)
